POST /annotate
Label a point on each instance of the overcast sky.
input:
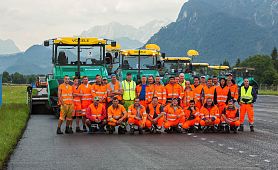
(28, 22)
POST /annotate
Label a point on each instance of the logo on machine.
(81, 40)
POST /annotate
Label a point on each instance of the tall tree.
(237, 62)
(226, 63)
(274, 54)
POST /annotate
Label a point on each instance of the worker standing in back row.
(100, 90)
(65, 99)
(141, 91)
(129, 90)
(173, 91)
(247, 97)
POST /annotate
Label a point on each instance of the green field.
(13, 118)
(268, 92)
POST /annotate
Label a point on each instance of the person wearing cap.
(137, 116)
(173, 90)
(209, 114)
(233, 87)
(85, 90)
(129, 90)
(117, 116)
(115, 89)
(96, 114)
(100, 90)
(198, 91)
(174, 117)
(203, 81)
(230, 117)
(247, 98)
(141, 91)
(192, 117)
(156, 90)
(182, 81)
(215, 81)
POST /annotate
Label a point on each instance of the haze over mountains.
(8, 47)
(221, 29)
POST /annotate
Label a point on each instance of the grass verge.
(13, 118)
(268, 92)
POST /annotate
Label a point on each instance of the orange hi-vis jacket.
(66, 93)
(209, 92)
(151, 111)
(76, 91)
(114, 88)
(100, 91)
(134, 112)
(198, 91)
(139, 88)
(174, 91)
(222, 94)
(188, 111)
(188, 95)
(116, 113)
(231, 113)
(96, 112)
(158, 91)
(86, 92)
(172, 113)
(209, 113)
(234, 91)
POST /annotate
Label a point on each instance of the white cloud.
(31, 21)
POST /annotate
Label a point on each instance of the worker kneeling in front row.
(192, 116)
(209, 116)
(174, 117)
(137, 116)
(230, 117)
(155, 116)
(116, 117)
(96, 116)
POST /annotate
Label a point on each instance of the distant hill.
(8, 47)
(221, 29)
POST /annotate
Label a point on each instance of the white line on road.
(241, 151)
(268, 161)
(195, 136)
(253, 156)
(211, 141)
(189, 134)
(230, 148)
(220, 144)
(203, 138)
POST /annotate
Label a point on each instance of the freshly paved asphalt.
(41, 148)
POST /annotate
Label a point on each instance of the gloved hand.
(213, 118)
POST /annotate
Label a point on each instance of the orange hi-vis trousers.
(189, 123)
(250, 112)
(215, 122)
(139, 123)
(159, 122)
(169, 123)
(221, 106)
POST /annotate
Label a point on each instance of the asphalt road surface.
(41, 148)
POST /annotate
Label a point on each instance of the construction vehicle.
(173, 66)
(41, 81)
(112, 58)
(240, 73)
(219, 71)
(75, 57)
(199, 69)
(139, 62)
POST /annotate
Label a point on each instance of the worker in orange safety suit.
(223, 95)
(174, 117)
(209, 90)
(173, 90)
(141, 91)
(155, 116)
(230, 117)
(77, 103)
(192, 118)
(115, 89)
(199, 92)
(247, 98)
(209, 115)
(157, 90)
(233, 87)
(188, 95)
(137, 116)
(100, 90)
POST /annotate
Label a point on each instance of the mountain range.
(8, 47)
(221, 29)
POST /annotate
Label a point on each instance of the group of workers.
(206, 105)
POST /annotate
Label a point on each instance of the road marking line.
(268, 161)
(230, 148)
(203, 138)
(211, 141)
(253, 156)
(189, 134)
(195, 136)
(241, 151)
(221, 144)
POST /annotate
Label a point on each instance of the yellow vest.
(246, 96)
(129, 90)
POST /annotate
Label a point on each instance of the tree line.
(18, 78)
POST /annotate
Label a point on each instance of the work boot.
(132, 130)
(252, 128)
(227, 129)
(70, 130)
(168, 130)
(90, 130)
(241, 129)
(235, 129)
(213, 129)
(102, 130)
(158, 130)
(67, 131)
(78, 130)
(140, 130)
(110, 129)
(59, 132)
(178, 129)
(85, 129)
